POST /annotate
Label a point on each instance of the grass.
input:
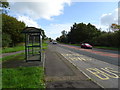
(0, 50)
(109, 48)
(11, 57)
(44, 46)
(13, 49)
(23, 77)
(101, 47)
(19, 48)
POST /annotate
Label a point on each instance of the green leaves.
(79, 33)
(11, 29)
(89, 33)
(6, 39)
(4, 4)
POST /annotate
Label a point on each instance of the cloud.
(102, 27)
(71, 0)
(109, 18)
(54, 30)
(119, 15)
(29, 22)
(45, 9)
(33, 10)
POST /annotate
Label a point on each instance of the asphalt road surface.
(102, 66)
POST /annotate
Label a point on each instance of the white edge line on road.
(44, 60)
(85, 73)
(44, 65)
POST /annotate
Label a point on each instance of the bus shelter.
(33, 43)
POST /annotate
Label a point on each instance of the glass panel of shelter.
(33, 45)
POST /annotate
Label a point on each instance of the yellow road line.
(103, 74)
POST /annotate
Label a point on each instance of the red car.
(86, 45)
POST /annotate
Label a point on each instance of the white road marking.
(102, 73)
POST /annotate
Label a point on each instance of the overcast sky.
(53, 16)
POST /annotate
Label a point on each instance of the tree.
(6, 39)
(89, 33)
(115, 27)
(12, 27)
(63, 37)
(43, 34)
(64, 33)
(58, 39)
(4, 6)
(72, 35)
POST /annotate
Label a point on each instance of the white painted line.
(83, 72)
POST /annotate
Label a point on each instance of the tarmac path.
(11, 53)
(95, 66)
(108, 56)
(60, 73)
(100, 66)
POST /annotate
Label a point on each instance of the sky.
(54, 16)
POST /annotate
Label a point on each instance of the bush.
(6, 39)
(11, 29)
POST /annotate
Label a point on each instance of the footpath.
(60, 73)
(11, 53)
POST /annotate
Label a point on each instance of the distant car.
(86, 45)
(54, 42)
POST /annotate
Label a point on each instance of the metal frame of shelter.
(33, 40)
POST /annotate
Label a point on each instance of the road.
(99, 65)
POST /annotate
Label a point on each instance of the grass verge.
(19, 48)
(109, 48)
(10, 57)
(13, 49)
(44, 46)
(100, 47)
(23, 77)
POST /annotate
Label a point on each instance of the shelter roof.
(31, 30)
